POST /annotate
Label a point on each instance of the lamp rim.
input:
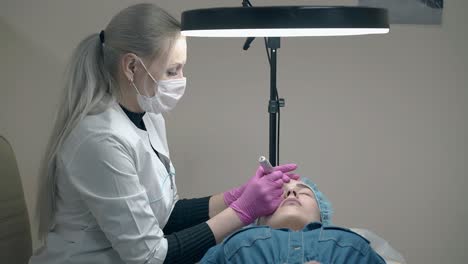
(283, 17)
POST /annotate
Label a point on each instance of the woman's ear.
(128, 65)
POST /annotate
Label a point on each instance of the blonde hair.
(91, 83)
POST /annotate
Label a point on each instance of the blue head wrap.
(325, 207)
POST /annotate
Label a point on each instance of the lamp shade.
(284, 21)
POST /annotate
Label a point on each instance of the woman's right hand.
(233, 194)
(262, 195)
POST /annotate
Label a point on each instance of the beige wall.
(378, 122)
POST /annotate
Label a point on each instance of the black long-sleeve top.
(187, 234)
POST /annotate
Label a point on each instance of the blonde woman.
(107, 188)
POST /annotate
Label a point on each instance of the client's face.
(297, 209)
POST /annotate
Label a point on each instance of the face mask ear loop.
(146, 69)
(134, 86)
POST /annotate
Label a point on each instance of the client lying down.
(299, 231)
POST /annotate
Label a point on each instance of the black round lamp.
(284, 21)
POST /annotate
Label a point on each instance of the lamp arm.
(246, 3)
(248, 41)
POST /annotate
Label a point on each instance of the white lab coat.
(114, 195)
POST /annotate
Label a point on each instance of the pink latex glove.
(261, 196)
(234, 193)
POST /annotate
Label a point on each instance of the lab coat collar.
(155, 126)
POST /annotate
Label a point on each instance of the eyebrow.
(176, 64)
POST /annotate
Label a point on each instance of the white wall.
(378, 122)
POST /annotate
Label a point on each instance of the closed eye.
(175, 70)
(172, 73)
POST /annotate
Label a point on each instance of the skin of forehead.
(177, 57)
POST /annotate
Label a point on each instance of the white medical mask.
(167, 94)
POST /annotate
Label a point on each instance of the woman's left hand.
(233, 194)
